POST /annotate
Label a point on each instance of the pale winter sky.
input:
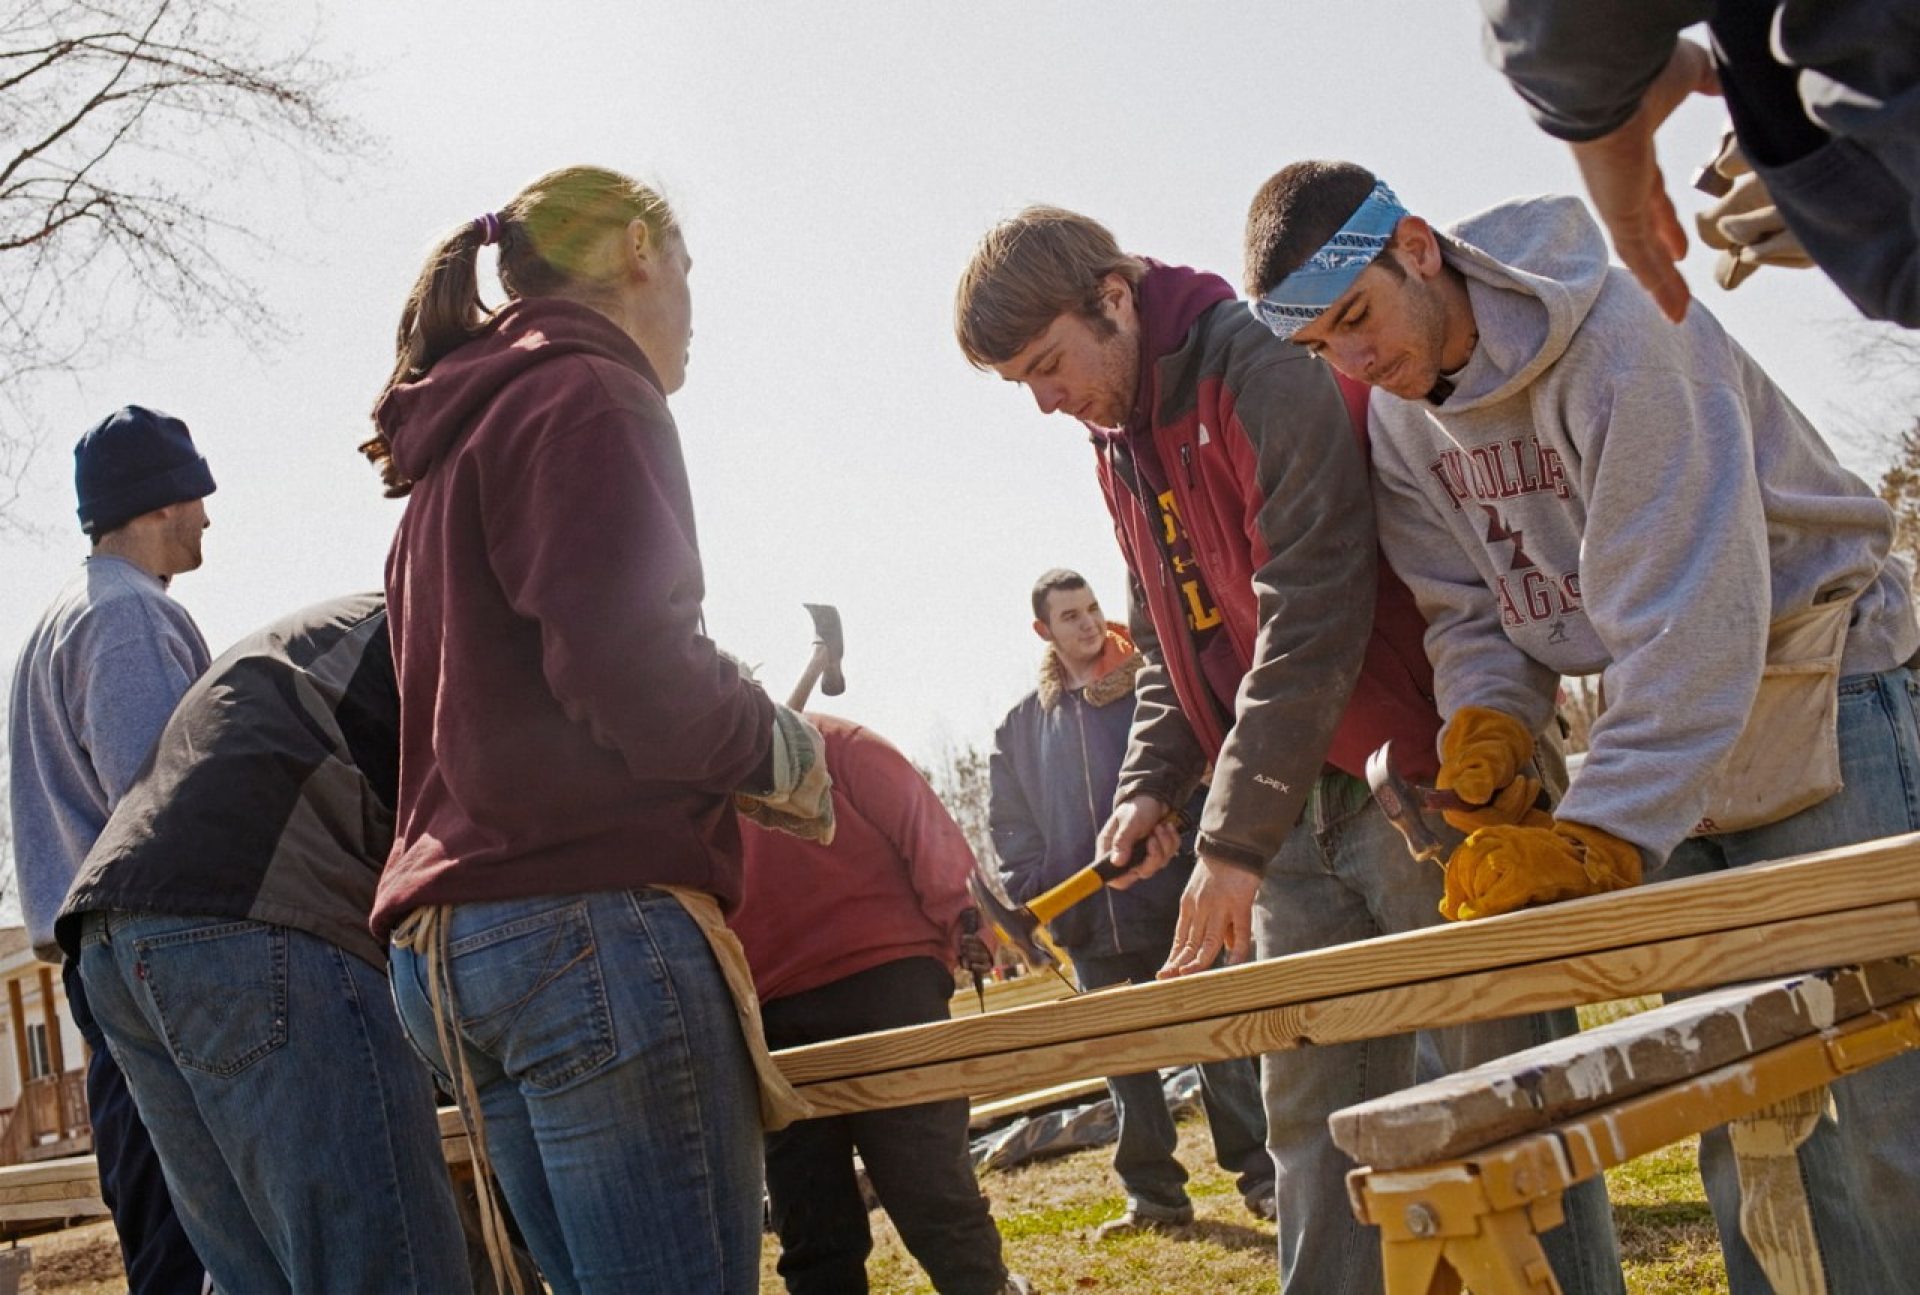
(833, 165)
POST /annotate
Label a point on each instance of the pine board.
(1852, 877)
(1773, 948)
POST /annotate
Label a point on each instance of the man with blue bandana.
(1276, 650)
(1570, 485)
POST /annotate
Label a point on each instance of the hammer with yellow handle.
(1019, 924)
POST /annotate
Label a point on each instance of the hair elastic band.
(1297, 300)
(489, 228)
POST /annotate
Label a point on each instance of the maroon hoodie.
(1275, 639)
(565, 727)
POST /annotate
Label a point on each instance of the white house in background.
(41, 1057)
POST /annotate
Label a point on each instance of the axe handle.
(816, 664)
(1051, 903)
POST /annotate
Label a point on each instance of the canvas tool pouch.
(780, 1105)
(1788, 756)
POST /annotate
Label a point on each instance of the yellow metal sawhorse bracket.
(1476, 1218)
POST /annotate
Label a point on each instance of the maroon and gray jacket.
(565, 726)
(1263, 454)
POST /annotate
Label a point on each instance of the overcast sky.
(833, 165)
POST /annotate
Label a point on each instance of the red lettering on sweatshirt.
(1503, 470)
(1534, 595)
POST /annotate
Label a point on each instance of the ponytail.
(550, 236)
(443, 311)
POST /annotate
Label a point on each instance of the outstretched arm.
(1604, 75)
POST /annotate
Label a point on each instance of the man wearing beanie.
(95, 684)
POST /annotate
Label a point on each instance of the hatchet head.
(826, 632)
(1019, 928)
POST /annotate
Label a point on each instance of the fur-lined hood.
(1111, 686)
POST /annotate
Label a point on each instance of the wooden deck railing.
(49, 1119)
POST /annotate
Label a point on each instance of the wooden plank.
(1032, 1100)
(70, 1187)
(73, 1207)
(1773, 948)
(79, 1145)
(454, 1145)
(1004, 995)
(1856, 876)
(56, 1055)
(51, 1189)
(1532, 1090)
(1589, 1144)
(17, 1021)
(16, 1178)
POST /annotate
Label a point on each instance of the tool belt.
(1787, 757)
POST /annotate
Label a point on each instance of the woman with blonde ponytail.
(572, 746)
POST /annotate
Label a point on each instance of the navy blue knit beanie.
(134, 461)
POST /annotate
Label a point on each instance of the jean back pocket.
(219, 993)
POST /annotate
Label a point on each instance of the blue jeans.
(1863, 1172)
(621, 1109)
(154, 1248)
(1343, 875)
(1143, 1158)
(295, 1125)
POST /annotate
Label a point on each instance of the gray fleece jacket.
(96, 681)
(1605, 492)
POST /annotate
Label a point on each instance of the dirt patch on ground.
(80, 1261)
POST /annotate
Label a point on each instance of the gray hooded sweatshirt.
(1607, 493)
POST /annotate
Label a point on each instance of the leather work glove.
(1481, 756)
(801, 801)
(1743, 224)
(1500, 869)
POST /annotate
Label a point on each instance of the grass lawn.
(1047, 1213)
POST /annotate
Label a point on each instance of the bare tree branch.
(126, 128)
(961, 778)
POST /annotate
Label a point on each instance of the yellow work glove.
(1481, 755)
(1500, 869)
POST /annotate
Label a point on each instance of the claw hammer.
(1406, 804)
(823, 667)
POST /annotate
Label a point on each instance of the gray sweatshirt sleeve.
(1675, 573)
(1474, 662)
(125, 687)
(1582, 65)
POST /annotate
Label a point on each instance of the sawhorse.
(1460, 1196)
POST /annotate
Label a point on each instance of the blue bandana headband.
(1298, 299)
